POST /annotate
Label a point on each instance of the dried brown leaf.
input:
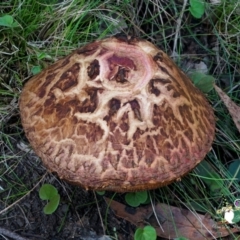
(232, 107)
(174, 221)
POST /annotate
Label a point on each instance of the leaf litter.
(174, 221)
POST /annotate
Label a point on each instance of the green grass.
(44, 31)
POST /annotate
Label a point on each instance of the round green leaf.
(8, 21)
(101, 193)
(47, 192)
(216, 183)
(202, 81)
(52, 204)
(195, 12)
(197, 8)
(138, 234)
(135, 199)
(234, 169)
(209, 176)
(236, 218)
(146, 233)
(36, 69)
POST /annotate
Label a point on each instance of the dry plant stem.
(232, 107)
(155, 214)
(13, 204)
(10, 234)
(99, 213)
(196, 215)
(179, 21)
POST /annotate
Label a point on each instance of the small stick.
(154, 211)
(179, 21)
(10, 234)
(13, 204)
(99, 213)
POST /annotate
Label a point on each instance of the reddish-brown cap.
(117, 115)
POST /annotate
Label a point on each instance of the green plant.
(202, 81)
(35, 70)
(101, 193)
(210, 177)
(197, 8)
(50, 193)
(50, 29)
(8, 21)
(234, 169)
(146, 233)
(136, 198)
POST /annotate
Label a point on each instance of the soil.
(77, 216)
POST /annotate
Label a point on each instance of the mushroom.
(117, 114)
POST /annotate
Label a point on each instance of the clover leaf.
(146, 233)
(50, 193)
(136, 198)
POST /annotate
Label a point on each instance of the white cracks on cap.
(117, 115)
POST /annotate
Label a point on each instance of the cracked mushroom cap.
(117, 115)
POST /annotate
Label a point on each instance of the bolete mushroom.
(117, 114)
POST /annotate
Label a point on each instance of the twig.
(197, 217)
(154, 212)
(179, 21)
(11, 205)
(10, 234)
(99, 212)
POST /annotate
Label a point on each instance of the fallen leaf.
(232, 107)
(174, 221)
(130, 214)
(182, 222)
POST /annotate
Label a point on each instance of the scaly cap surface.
(117, 115)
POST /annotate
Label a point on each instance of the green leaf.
(202, 81)
(36, 69)
(52, 204)
(42, 55)
(8, 21)
(234, 169)
(198, 205)
(236, 217)
(146, 233)
(197, 8)
(47, 192)
(135, 199)
(209, 176)
(138, 234)
(50, 193)
(100, 192)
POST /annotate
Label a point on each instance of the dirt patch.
(77, 216)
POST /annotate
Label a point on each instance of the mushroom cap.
(117, 114)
